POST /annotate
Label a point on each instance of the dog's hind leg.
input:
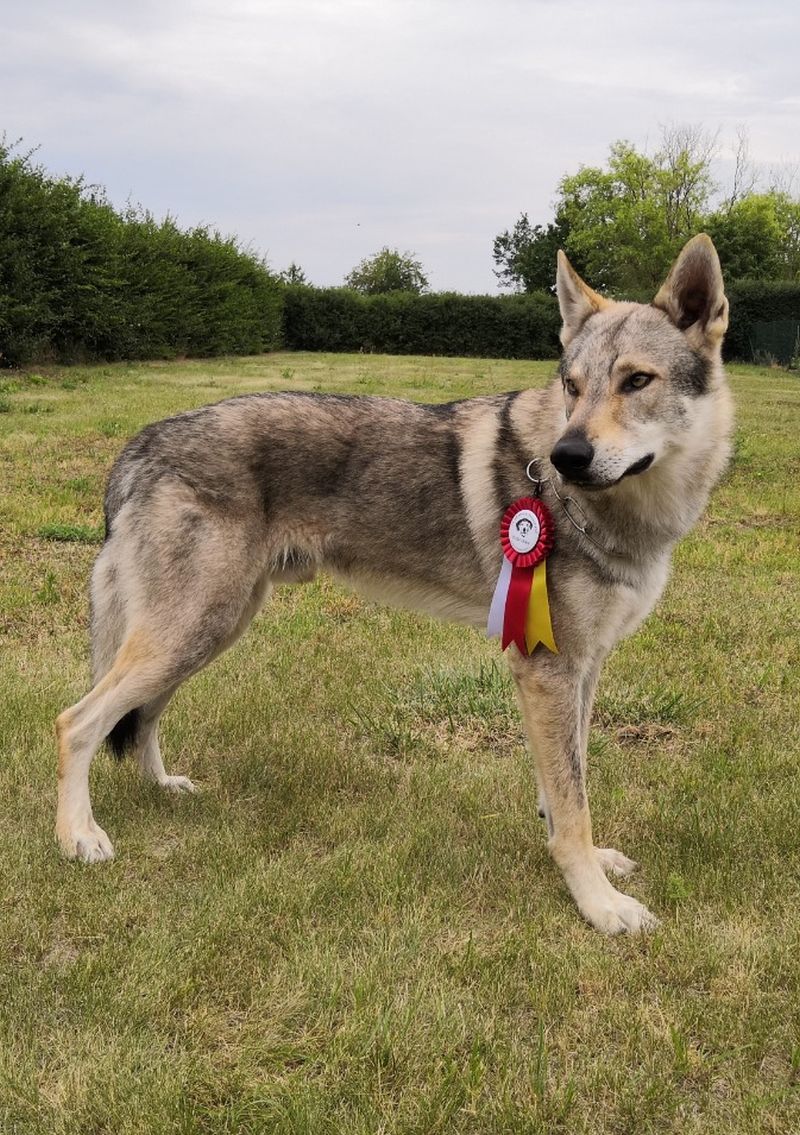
(107, 619)
(148, 750)
(139, 673)
(550, 700)
(177, 628)
(145, 739)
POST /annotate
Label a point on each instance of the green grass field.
(356, 926)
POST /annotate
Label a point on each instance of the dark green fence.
(776, 341)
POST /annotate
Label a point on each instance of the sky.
(320, 131)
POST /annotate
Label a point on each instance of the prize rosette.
(520, 611)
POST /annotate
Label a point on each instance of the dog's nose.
(572, 454)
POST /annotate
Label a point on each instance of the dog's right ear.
(693, 295)
(576, 300)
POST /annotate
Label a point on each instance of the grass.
(356, 927)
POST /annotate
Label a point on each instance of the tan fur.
(208, 510)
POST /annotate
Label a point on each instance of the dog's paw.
(180, 784)
(614, 862)
(614, 913)
(89, 844)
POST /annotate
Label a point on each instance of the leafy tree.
(627, 222)
(388, 271)
(294, 274)
(747, 236)
(526, 255)
(758, 237)
(623, 224)
(788, 211)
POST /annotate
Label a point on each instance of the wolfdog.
(209, 509)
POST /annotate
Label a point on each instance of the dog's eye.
(570, 388)
(637, 381)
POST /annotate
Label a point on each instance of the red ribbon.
(519, 593)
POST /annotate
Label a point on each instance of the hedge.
(81, 281)
(401, 323)
(517, 326)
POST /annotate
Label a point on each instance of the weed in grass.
(676, 889)
(539, 1070)
(458, 697)
(680, 1049)
(71, 533)
(48, 592)
(5, 406)
(388, 730)
(794, 1060)
(81, 484)
(654, 704)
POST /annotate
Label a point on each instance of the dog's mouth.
(598, 486)
(639, 466)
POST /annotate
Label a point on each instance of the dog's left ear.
(576, 299)
(693, 295)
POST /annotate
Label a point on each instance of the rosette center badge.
(523, 534)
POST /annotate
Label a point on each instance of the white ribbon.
(497, 610)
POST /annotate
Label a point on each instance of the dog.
(208, 510)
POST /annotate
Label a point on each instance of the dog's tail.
(124, 735)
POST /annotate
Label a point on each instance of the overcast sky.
(321, 130)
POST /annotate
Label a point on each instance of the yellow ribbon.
(538, 627)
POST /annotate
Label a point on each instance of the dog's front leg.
(551, 703)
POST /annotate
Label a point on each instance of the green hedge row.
(401, 323)
(81, 281)
(755, 302)
(517, 326)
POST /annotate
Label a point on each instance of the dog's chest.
(637, 600)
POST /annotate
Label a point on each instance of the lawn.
(355, 927)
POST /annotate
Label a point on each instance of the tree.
(758, 237)
(294, 274)
(526, 256)
(628, 222)
(624, 223)
(388, 271)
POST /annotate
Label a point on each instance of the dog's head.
(638, 377)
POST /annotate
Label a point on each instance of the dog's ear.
(576, 300)
(693, 295)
